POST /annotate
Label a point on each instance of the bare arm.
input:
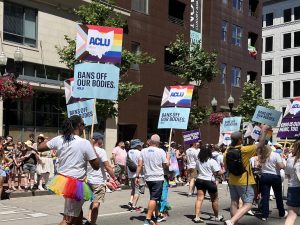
(109, 170)
(280, 165)
(95, 163)
(262, 139)
(139, 167)
(43, 147)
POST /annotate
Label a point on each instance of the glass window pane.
(287, 40)
(29, 69)
(287, 15)
(286, 87)
(268, 67)
(13, 18)
(41, 71)
(269, 19)
(52, 73)
(296, 88)
(296, 63)
(269, 44)
(297, 13)
(30, 23)
(297, 39)
(286, 65)
(268, 91)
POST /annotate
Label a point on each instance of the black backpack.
(234, 162)
(130, 164)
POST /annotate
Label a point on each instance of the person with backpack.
(241, 178)
(132, 159)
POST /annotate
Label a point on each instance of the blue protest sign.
(266, 116)
(84, 109)
(231, 124)
(176, 118)
(92, 80)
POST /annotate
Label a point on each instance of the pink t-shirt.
(120, 155)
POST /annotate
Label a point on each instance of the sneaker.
(228, 222)
(271, 197)
(189, 195)
(219, 218)
(129, 204)
(40, 187)
(285, 214)
(108, 190)
(119, 189)
(198, 220)
(149, 222)
(161, 218)
(251, 213)
(264, 219)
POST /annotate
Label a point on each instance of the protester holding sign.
(241, 179)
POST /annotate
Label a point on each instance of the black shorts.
(155, 189)
(206, 185)
(293, 197)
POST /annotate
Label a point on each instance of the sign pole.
(285, 142)
(170, 139)
(84, 135)
(93, 118)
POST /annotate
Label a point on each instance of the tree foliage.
(194, 65)
(97, 13)
(250, 98)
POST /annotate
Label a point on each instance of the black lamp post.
(18, 60)
(214, 103)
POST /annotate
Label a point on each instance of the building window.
(287, 15)
(140, 5)
(169, 60)
(286, 65)
(135, 48)
(236, 76)
(286, 89)
(236, 35)
(269, 19)
(268, 67)
(268, 91)
(297, 39)
(237, 4)
(176, 11)
(223, 73)
(287, 40)
(296, 63)
(224, 30)
(296, 88)
(20, 24)
(297, 13)
(269, 44)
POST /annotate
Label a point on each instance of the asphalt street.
(46, 210)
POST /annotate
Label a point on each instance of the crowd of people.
(83, 172)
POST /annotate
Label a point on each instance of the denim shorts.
(29, 168)
(246, 193)
(293, 197)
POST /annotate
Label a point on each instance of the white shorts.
(73, 207)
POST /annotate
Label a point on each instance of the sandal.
(198, 220)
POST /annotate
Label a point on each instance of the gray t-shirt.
(98, 176)
(192, 156)
(292, 170)
(134, 155)
(153, 159)
(270, 165)
(73, 156)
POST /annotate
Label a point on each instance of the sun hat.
(136, 142)
(29, 144)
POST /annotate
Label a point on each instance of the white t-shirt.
(270, 166)
(292, 171)
(217, 156)
(192, 156)
(207, 169)
(73, 156)
(98, 176)
(153, 159)
(134, 155)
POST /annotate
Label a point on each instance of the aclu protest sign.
(227, 139)
(68, 92)
(191, 136)
(231, 124)
(180, 96)
(84, 109)
(256, 132)
(176, 118)
(290, 124)
(266, 116)
(93, 80)
(99, 44)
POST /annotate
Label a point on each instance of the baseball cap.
(98, 136)
(136, 142)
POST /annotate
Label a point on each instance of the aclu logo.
(176, 95)
(99, 43)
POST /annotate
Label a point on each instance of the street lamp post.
(214, 103)
(18, 60)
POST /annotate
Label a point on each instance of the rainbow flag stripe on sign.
(179, 96)
(99, 44)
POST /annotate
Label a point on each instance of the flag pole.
(93, 118)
